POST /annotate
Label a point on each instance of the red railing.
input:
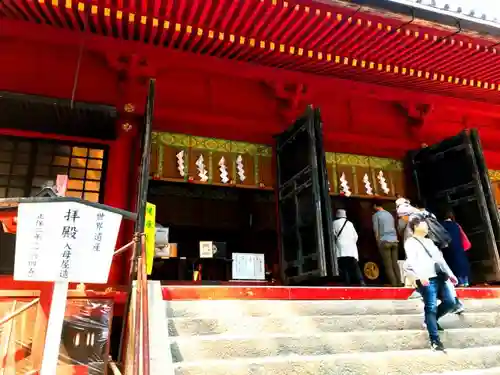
(141, 316)
(15, 336)
(137, 331)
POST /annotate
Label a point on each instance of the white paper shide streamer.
(344, 185)
(383, 182)
(240, 168)
(223, 171)
(368, 186)
(200, 166)
(180, 163)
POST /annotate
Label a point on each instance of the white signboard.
(248, 266)
(206, 249)
(64, 241)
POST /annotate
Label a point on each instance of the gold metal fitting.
(129, 107)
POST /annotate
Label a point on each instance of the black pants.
(349, 271)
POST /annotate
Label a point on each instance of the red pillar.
(118, 188)
(122, 164)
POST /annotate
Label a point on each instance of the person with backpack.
(455, 254)
(432, 274)
(346, 248)
(436, 232)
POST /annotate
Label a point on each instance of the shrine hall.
(267, 117)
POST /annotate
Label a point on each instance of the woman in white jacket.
(346, 248)
(431, 272)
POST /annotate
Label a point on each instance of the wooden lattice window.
(83, 165)
(14, 167)
(27, 164)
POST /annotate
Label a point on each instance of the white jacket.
(418, 263)
(346, 242)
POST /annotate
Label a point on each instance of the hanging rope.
(459, 30)
(403, 25)
(80, 54)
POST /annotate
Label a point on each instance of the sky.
(490, 8)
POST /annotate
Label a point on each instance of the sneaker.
(437, 346)
(415, 295)
(459, 309)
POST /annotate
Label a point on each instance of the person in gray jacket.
(432, 273)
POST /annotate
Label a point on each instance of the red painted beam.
(8, 283)
(225, 292)
(478, 293)
(184, 293)
(249, 130)
(226, 127)
(33, 134)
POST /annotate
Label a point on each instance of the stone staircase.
(380, 337)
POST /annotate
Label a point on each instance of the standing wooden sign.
(63, 242)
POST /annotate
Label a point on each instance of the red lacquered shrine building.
(230, 76)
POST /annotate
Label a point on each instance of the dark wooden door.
(304, 207)
(451, 175)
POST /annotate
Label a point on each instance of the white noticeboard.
(248, 266)
(206, 249)
(64, 242)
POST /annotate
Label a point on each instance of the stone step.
(242, 325)
(411, 362)
(488, 371)
(236, 308)
(256, 344)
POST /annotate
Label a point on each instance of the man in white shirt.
(345, 244)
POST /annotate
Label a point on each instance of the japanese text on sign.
(77, 246)
(248, 266)
(37, 237)
(99, 227)
(69, 232)
(150, 232)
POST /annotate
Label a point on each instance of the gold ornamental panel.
(352, 160)
(173, 139)
(494, 175)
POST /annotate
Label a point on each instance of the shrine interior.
(359, 212)
(238, 220)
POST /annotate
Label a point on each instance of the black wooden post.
(142, 196)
